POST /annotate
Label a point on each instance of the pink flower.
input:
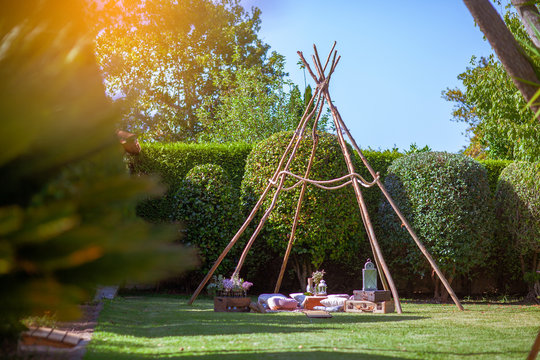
(246, 285)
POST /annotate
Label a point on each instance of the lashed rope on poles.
(319, 183)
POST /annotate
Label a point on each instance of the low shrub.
(172, 161)
(518, 213)
(447, 200)
(207, 208)
(329, 225)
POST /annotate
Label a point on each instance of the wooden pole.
(302, 126)
(402, 218)
(300, 200)
(363, 209)
(535, 348)
(297, 134)
(361, 203)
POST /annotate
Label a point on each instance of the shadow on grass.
(235, 355)
(192, 322)
(307, 354)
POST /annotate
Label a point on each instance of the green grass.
(165, 327)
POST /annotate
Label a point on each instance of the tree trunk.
(534, 287)
(530, 18)
(303, 270)
(506, 47)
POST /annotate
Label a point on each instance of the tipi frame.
(320, 96)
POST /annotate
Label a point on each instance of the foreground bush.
(447, 200)
(518, 213)
(329, 226)
(67, 221)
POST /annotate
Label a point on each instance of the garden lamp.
(369, 276)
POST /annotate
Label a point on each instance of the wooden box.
(383, 307)
(231, 304)
(373, 296)
(312, 301)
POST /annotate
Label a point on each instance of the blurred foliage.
(447, 200)
(518, 214)
(329, 225)
(500, 125)
(162, 58)
(208, 207)
(67, 218)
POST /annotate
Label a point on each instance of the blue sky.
(397, 57)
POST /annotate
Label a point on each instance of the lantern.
(321, 288)
(369, 276)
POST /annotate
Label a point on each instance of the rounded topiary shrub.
(207, 208)
(518, 212)
(447, 200)
(329, 227)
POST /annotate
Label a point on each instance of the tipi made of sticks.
(320, 96)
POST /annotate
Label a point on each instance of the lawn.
(165, 327)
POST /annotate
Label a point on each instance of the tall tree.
(509, 52)
(161, 58)
(253, 108)
(500, 125)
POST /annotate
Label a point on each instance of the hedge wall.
(174, 160)
(329, 224)
(207, 210)
(518, 215)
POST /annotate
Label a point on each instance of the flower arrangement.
(317, 276)
(233, 287)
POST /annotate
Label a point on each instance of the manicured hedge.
(330, 226)
(494, 169)
(207, 209)
(172, 161)
(447, 200)
(518, 213)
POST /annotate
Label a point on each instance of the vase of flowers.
(319, 283)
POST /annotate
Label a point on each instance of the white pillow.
(300, 297)
(333, 301)
(263, 298)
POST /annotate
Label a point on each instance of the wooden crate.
(231, 304)
(356, 306)
(373, 296)
(312, 301)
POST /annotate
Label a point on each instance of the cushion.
(300, 297)
(333, 301)
(279, 303)
(263, 298)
